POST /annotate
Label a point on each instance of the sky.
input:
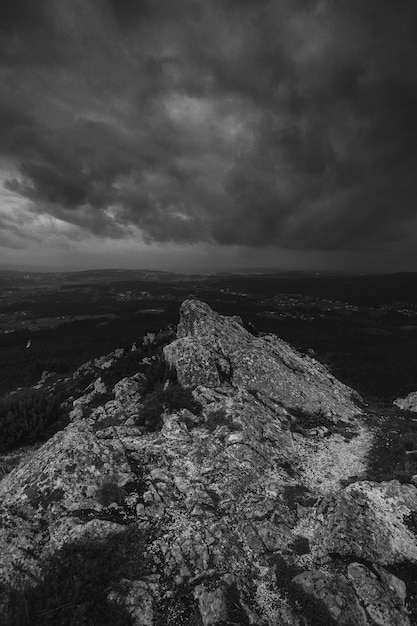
(209, 134)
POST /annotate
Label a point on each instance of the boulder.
(409, 403)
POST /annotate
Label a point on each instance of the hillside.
(211, 477)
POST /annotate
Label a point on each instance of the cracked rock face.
(229, 510)
(266, 365)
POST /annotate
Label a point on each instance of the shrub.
(171, 399)
(126, 365)
(219, 417)
(176, 398)
(109, 492)
(27, 416)
(155, 373)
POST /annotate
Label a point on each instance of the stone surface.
(265, 365)
(368, 521)
(229, 510)
(409, 403)
(193, 363)
(212, 605)
(383, 605)
(136, 596)
(329, 599)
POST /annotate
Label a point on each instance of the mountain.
(211, 477)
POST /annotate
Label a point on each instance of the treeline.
(65, 348)
(28, 416)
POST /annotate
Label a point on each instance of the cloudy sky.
(209, 133)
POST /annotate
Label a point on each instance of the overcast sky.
(209, 133)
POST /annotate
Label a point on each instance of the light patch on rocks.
(326, 462)
(409, 403)
(391, 503)
(273, 603)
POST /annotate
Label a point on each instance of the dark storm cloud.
(17, 13)
(264, 123)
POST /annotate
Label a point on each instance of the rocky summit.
(224, 481)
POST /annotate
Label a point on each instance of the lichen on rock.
(230, 510)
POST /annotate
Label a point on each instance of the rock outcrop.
(216, 495)
(409, 403)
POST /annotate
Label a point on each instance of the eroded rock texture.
(409, 403)
(226, 509)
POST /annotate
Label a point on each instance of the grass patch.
(394, 452)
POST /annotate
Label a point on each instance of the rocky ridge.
(230, 488)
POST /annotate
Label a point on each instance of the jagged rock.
(230, 509)
(62, 479)
(149, 339)
(329, 599)
(409, 403)
(359, 598)
(193, 363)
(212, 604)
(265, 365)
(369, 521)
(382, 602)
(136, 596)
(80, 405)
